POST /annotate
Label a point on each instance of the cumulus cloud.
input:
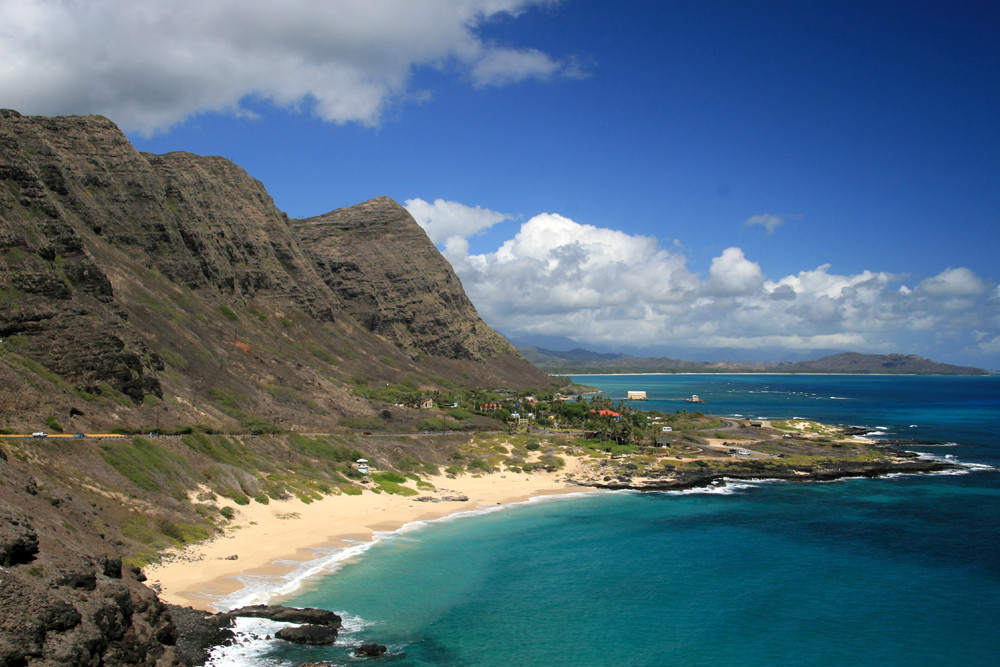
(732, 274)
(601, 286)
(149, 65)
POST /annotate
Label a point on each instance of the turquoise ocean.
(903, 570)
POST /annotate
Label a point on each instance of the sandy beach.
(264, 538)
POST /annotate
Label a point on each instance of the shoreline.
(271, 542)
(284, 543)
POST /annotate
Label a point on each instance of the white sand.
(291, 530)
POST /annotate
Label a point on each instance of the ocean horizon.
(901, 570)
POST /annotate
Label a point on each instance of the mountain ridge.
(139, 279)
(581, 361)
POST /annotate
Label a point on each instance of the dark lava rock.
(198, 631)
(81, 581)
(306, 616)
(370, 651)
(18, 540)
(316, 635)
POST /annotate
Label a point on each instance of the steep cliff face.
(172, 285)
(390, 278)
(58, 305)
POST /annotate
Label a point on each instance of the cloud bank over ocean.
(603, 287)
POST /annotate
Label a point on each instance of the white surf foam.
(726, 487)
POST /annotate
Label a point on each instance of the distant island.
(579, 361)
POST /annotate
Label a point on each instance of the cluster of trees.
(599, 416)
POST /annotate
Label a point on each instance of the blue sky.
(703, 180)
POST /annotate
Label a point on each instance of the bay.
(896, 571)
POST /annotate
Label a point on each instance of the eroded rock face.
(389, 276)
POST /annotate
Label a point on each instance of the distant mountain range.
(579, 361)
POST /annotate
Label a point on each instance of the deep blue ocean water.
(896, 571)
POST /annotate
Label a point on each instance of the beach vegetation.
(149, 466)
(160, 533)
(391, 482)
(479, 465)
(410, 464)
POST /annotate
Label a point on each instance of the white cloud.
(767, 221)
(150, 65)
(960, 282)
(448, 223)
(605, 287)
(733, 274)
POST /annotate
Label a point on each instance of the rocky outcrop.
(370, 651)
(318, 626)
(50, 621)
(678, 480)
(305, 616)
(198, 632)
(18, 540)
(316, 635)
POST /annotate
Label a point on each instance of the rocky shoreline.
(199, 632)
(691, 479)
